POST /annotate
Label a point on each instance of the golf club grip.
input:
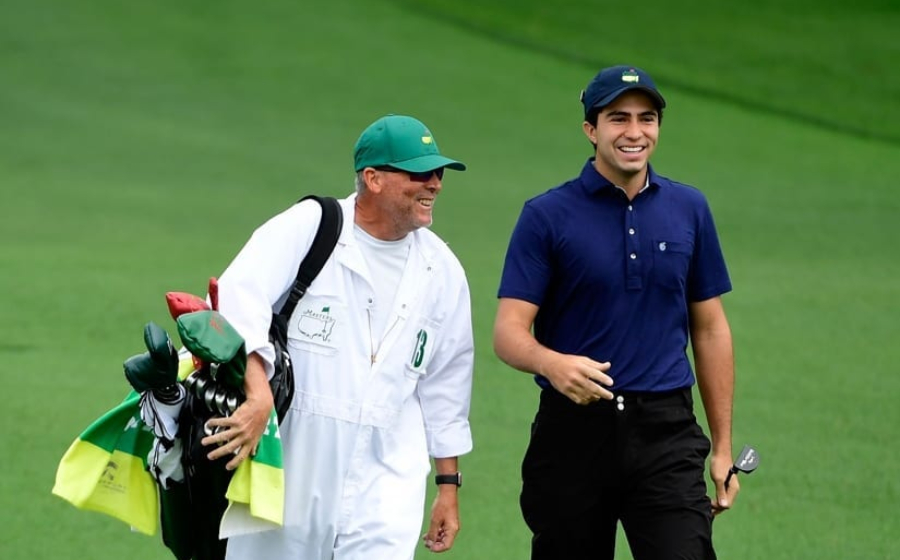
(728, 478)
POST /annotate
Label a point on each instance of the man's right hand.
(580, 378)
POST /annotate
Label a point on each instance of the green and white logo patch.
(316, 324)
(419, 351)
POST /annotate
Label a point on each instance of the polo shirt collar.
(595, 183)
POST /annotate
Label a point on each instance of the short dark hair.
(592, 115)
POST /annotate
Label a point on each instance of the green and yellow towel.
(105, 469)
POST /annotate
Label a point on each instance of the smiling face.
(625, 133)
(404, 201)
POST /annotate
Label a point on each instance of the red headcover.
(182, 302)
(214, 293)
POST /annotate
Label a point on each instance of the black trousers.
(639, 459)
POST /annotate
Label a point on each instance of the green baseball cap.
(402, 142)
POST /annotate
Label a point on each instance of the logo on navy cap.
(630, 76)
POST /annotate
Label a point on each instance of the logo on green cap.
(402, 142)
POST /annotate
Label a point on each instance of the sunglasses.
(421, 177)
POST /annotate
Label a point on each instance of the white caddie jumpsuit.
(359, 434)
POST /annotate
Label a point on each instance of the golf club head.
(207, 429)
(209, 396)
(231, 403)
(747, 460)
(213, 430)
(219, 401)
(199, 384)
(191, 380)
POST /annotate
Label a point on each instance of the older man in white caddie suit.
(383, 355)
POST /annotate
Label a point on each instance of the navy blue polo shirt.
(612, 278)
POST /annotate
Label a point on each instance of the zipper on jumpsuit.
(401, 308)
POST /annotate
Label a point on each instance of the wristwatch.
(455, 478)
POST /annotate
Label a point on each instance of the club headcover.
(161, 349)
(214, 293)
(158, 367)
(231, 373)
(211, 338)
(181, 302)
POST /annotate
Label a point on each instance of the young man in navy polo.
(606, 278)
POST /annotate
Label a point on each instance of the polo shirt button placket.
(620, 402)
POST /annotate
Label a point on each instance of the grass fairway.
(142, 143)
(800, 59)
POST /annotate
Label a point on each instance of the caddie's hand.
(580, 378)
(444, 524)
(240, 433)
(718, 471)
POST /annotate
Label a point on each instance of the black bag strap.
(322, 247)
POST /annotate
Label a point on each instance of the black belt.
(621, 400)
(652, 396)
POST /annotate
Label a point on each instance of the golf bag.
(282, 382)
(192, 511)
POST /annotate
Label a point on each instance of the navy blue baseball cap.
(612, 82)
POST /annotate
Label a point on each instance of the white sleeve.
(263, 271)
(446, 391)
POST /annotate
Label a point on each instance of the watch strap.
(454, 479)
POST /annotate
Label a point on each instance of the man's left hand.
(718, 470)
(444, 520)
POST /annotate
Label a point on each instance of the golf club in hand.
(746, 462)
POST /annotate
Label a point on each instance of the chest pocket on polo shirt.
(318, 324)
(671, 263)
(425, 335)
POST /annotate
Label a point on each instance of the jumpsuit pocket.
(671, 263)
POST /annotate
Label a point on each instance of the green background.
(141, 143)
